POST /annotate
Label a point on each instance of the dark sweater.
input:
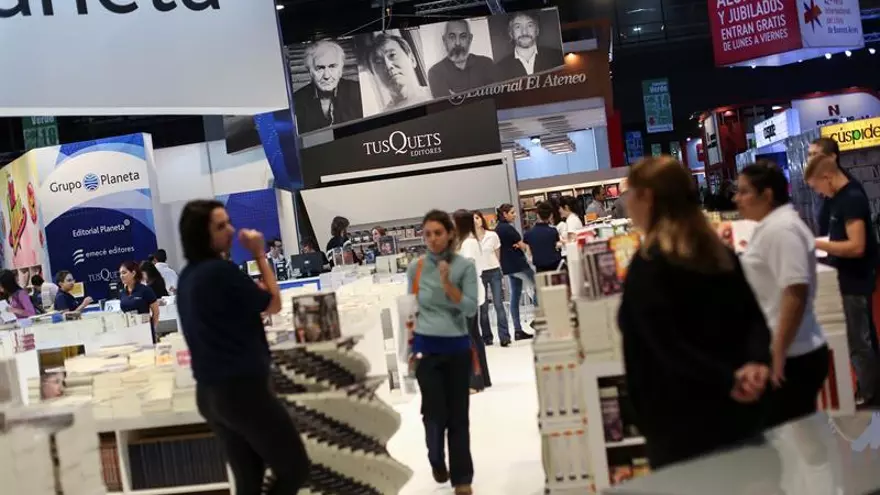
(685, 334)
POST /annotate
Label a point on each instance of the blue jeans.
(492, 281)
(517, 280)
(862, 340)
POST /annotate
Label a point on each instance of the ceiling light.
(828, 56)
(776, 107)
(872, 51)
(753, 66)
(688, 139)
(536, 140)
(799, 61)
(279, 7)
(848, 53)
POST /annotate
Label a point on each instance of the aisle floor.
(505, 442)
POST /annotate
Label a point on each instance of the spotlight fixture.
(279, 7)
(848, 53)
(827, 56)
(800, 61)
(872, 51)
(688, 139)
(776, 108)
(753, 66)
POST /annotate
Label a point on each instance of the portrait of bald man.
(328, 99)
(461, 70)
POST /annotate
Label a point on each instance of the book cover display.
(316, 318)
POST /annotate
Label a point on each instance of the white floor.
(505, 443)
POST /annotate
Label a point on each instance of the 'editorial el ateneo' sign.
(463, 131)
(855, 135)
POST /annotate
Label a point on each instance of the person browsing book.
(514, 264)
(220, 310)
(445, 286)
(19, 301)
(696, 346)
(491, 279)
(64, 300)
(780, 265)
(852, 250)
(543, 241)
(568, 210)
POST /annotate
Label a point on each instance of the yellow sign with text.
(854, 135)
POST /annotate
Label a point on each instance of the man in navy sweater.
(543, 241)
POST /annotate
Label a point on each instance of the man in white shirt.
(46, 290)
(170, 276)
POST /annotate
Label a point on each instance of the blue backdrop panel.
(252, 210)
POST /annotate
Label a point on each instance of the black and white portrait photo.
(391, 71)
(459, 54)
(526, 43)
(328, 97)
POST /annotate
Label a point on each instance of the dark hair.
(573, 205)
(524, 13)
(829, 147)
(482, 219)
(765, 175)
(161, 256)
(61, 276)
(464, 225)
(502, 210)
(381, 230)
(274, 240)
(134, 268)
(151, 271)
(37, 280)
(311, 243)
(545, 211)
(596, 190)
(383, 38)
(556, 204)
(443, 219)
(151, 258)
(338, 226)
(9, 282)
(195, 230)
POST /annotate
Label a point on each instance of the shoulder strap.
(418, 275)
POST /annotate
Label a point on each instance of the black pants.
(256, 432)
(443, 380)
(804, 377)
(481, 380)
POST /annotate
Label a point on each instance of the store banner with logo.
(406, 147)
(252, 210)
(193, 57)
(658, 105)
(778, 127)
(831, 109)
(39, 132)
(343, 80)
(97, 207)
(855, 135)
(779, 32)
(21, 222)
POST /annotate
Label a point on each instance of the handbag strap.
(417, 276)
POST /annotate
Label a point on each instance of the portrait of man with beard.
(528, 57)
(393, 62)
(461, 70)
(329, 98)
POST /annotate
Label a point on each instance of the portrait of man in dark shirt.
(329, 98)
(461, 70)
(528, 57)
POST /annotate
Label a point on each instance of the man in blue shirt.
(543, 241)
(852, 248)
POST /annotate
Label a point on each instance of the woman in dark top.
(220, 311)
(137, 297)
(154, 279)
(515, 266)
(696, 346)
(338, 233)
(64, 300)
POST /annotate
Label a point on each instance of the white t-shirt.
(48, 291)
(562, 228)
(573, 223)
(782, 253)
(470, 249)
(490, 243)
(168, 274)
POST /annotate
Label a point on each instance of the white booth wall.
(205, 171)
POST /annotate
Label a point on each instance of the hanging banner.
(855, 135)
(20, 220)
(191, 57)
(97, 207)
(39, 132)
(347, 79)
(658, 105)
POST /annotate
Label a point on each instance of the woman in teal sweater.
(445, 285)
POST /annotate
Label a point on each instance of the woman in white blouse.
(568, 210)
(469, 247)
(491, 279)
(780, 265)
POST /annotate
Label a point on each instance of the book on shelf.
(316, 318)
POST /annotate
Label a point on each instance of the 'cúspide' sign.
(467, 130)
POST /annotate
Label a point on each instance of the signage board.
(776, 128)
(713, 140)
(831, 23)
(656, 149)
(91, 57)
(469, 130)
(832, 109)
(855, 135)
(748, 29)
(635, 148)
(658, 105)
(39, 132)
(342, 80)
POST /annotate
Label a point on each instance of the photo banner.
(347, 79)
(21, 232)
(97, 207)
